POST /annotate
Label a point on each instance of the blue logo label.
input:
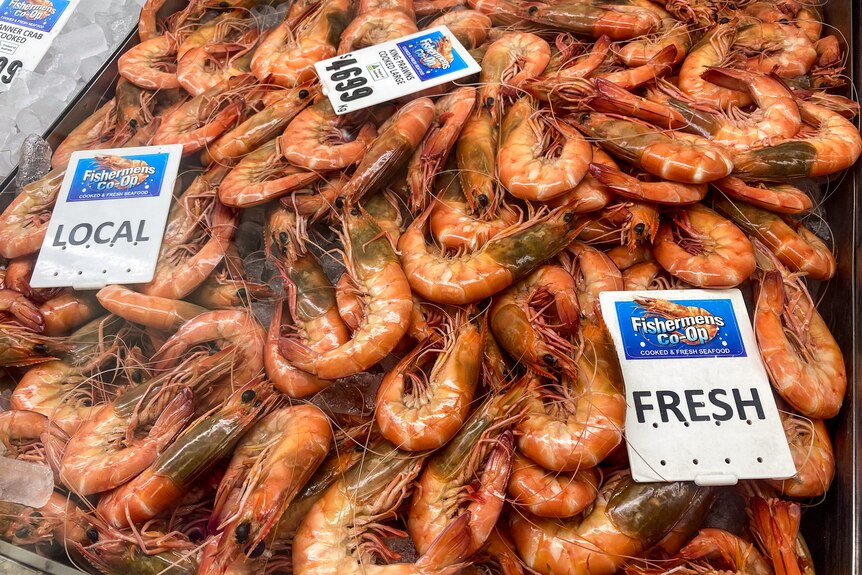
(655, 328)
(39, 15)
(432, 55)
(110, 177)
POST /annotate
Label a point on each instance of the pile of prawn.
(422, 363)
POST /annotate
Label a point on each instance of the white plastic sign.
(109, 220)
(393, 69)
(699, 404)
(27, 28)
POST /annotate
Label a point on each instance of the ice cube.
(6, 163)
(25, 483)
(81, 43)
(60, 62)
(13, 145)
(119, 28)
(35, 160)
(87, 9)
(18, 97)
(47, 108)
(91, 66)
(29, 122)
(64, 88)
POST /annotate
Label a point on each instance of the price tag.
(27, 28)
(393, 69)
(108, 223)
(699, 404)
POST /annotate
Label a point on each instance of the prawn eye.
(247, 397)
(354, 211)
(241, 293)
(549, 359)
(133, 123)
(489, 101)
(639, 229)
(137, 376)
(303, 94)
(224, 5)
(87, 403)
(22, 533)
(258, 550)
(532, 11)
(482, 199)
(568, 217)
(92, 534)
(784, 21)
(242, 530)
(40, 348)
(723, 20)
(339, 202)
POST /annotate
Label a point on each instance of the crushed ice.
(35, 99)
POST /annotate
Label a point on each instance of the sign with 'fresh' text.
(699, 404)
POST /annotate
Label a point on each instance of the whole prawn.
(377, 274)
(577, 428)
(482, 449)
(437, 404)
(506, 258)
(328, 542)
(268, 469)
(625, 520)
(197, 449)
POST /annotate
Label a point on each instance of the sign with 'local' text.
(699, 404)
(108, 223)
(27, 28)
(393, 69)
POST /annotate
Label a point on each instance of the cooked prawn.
(704, 249)
(418, 411)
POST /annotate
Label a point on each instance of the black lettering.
(668, 401)
(141, 237)
(97, 235)
(88, 231)
(713, 399)
(57, 242)
(754, 402)
(124, 232)
(640, 405)
(693, 405)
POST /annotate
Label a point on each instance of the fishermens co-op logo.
(35, 10)
(108, 177)
(432, 55)
(655, 328)
(41, 15)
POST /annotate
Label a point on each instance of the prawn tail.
(613, 178)
(296, 353)
(703, 545)
(776, 525)
(447, 552)
(174, 417)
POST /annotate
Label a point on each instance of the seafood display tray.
(832, 527)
